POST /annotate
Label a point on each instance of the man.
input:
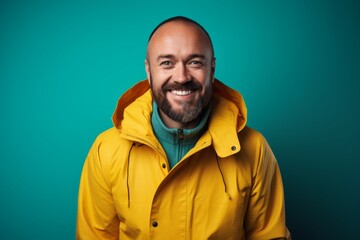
(180, 162)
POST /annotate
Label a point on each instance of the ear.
(147, 69)
(213, 66)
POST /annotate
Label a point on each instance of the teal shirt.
(176, 142)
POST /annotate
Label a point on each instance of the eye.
(166, 63)
(195, 63)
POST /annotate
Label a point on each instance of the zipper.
(180, 134)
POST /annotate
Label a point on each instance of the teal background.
(63, 65)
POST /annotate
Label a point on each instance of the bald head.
(182, 28)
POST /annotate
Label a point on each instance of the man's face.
(180, 68)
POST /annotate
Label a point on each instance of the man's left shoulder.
(250, 136)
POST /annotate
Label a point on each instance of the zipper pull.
(180, 133)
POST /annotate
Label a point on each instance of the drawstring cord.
(127, 175)
(222, 176)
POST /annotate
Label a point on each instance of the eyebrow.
(167, 56)
(171, 56)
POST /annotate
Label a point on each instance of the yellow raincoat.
(228, 186)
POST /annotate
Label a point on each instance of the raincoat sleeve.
(265, 218)
(96, 218)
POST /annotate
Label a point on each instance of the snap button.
(163, 165)
(233, 148)
(154, 224)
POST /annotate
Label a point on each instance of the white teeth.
(181, 93)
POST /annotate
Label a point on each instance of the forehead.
(179, 38)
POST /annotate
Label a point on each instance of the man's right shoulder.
(109, 144)
(110, 138)
(108, 134)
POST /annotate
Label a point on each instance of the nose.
(181, 74)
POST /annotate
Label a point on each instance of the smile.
(181, 92)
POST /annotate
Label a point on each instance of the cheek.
(160, 75)
(203, 77)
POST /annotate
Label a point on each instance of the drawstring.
(222, 176)
(127, 175)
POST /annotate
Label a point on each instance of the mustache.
(191, 85)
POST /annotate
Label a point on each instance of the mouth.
(181, 92)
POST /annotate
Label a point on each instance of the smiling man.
(180, 162)
(180, 59)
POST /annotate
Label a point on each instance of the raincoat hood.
(133, 115)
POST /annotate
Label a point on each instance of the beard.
(187, 111)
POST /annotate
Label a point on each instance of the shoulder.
(255, 148)
(250, 137)
(108, 135)
(109, 144)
